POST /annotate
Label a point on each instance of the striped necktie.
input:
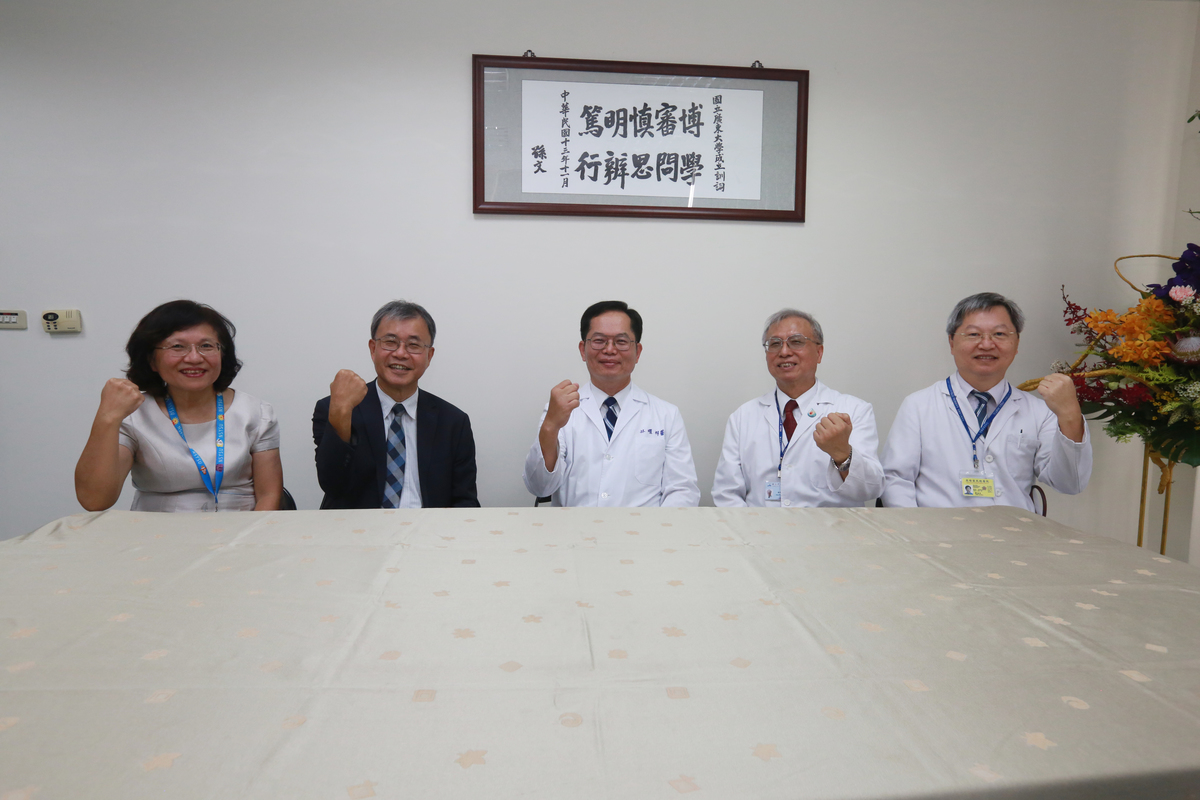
(610, 418)
(981, 405)
(393, 484)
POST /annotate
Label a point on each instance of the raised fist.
(1058, 391)
(346, 391)
(119, 398)
(564, 399)
(832, 435)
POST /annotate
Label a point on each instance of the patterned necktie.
(981, 408)
(393, 484)
(789, 419)
(610, 419)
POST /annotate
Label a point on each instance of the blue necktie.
(981, 409)
(393, 484)
(610, 419)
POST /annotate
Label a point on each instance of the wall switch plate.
(13, 320)
(62, 320)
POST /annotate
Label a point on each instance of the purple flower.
(1187, 273)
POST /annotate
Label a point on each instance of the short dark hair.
(984, 301)
(605, 306)
(402, 309)
(169, 318)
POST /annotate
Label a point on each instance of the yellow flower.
(1163, 400)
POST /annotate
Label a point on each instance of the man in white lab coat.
(607, 442)
(802, 444)
(973, 439)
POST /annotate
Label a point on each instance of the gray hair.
(780, 316)
(401, 310)
(983, 302)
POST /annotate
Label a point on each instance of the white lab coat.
(928, 450)
(750, 455)
(648, 462)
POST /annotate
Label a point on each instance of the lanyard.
(782, 446)
(982, 428)
(220, 467)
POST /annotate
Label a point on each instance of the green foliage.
(1164, 375)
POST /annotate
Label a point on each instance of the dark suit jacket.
(352, 473)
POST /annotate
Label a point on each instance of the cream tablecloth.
(551, 653)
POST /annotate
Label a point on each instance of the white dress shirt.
(648, 461)
(750, 454)
(410, 497)
(928, 450)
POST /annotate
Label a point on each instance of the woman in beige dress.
(164, 423)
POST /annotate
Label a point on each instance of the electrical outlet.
(13, 320)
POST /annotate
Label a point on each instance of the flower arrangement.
(1140, 369)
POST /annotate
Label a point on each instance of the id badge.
(773, 490)
(977, 484)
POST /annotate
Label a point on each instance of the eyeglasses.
(622, 343)
(794, 342)
(999, 338)
(179, 350)
(412, 346)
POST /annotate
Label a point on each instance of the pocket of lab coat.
(651, 456)
(1020, 455)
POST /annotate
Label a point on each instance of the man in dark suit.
(388, 444)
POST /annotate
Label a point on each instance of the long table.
(583, 653)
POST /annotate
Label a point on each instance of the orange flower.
(1135, 328)
(1135, 322)
(1132, 326)
(1142, 350)
(1102, 321)
(1156, 310)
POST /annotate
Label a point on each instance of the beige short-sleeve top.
(166, 477)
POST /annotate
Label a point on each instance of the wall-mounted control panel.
(62, 320)
(12, 320)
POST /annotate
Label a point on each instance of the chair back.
(1036, 493)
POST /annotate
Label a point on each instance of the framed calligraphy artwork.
(638, 139)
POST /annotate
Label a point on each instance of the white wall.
(296, 163)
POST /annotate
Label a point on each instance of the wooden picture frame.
(715, 142)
